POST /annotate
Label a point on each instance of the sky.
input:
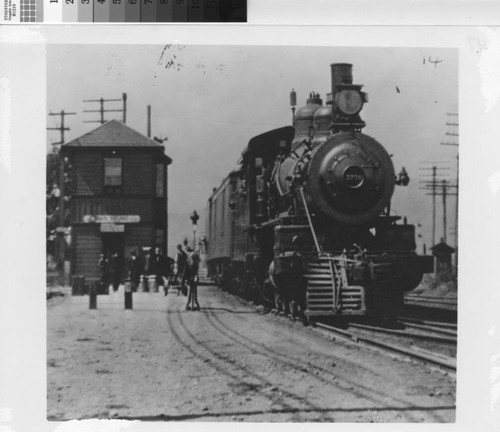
(211, 100)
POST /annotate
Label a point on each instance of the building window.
(160, 180)
(112, 175)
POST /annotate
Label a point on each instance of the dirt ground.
(227, 362)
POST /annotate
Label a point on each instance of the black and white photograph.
(249, 233)
(288, 228)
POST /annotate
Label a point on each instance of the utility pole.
(445, 186)
(59, 245)
(149, 121)
(432, 185)
(61, 128)
(444, 193)
(453, 125)
(293, 104)
(101, 110)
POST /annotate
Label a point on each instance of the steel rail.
(430, 328)
(444, 361)
(438, 298)
(405, 334)
(428, 322)
(430, 304)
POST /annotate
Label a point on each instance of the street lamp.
(194, 220)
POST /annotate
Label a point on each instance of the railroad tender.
(305, 221)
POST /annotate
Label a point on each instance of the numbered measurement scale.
(123, 11)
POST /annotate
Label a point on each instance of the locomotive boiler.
(305, 221)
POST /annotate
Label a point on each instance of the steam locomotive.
(305, 221)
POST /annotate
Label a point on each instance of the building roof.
(442, 248)
(113, 134)
(268, 142)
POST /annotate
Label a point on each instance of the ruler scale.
(123, 11)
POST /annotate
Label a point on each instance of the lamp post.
(194, 220)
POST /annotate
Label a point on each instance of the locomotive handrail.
(301, 189)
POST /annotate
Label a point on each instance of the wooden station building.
(119, 199)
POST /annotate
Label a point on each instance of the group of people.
(181, 272)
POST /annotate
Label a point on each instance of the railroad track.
(433, 326)
(431, 333)
(431, 302)
(418, 353)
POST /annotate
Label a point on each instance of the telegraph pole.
(453, 125)
(61, 128)
(444, 193)
(432, 185)
(59, 245)
(293, 104)
(101, 110)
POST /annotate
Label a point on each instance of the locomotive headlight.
(349, 102)
(354, 177)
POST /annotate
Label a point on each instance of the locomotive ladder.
(327, 291)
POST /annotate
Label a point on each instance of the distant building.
(442, 261)
(119, 200)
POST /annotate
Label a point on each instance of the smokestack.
(341, 74)
(149, 121)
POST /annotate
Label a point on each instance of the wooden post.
(93, 296)
(128, 295)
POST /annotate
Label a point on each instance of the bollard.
(93, 296)
(142, 284)
(128, 295)
(152, 285)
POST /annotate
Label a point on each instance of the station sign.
(112, 228)
(111, 219)
(65, 230)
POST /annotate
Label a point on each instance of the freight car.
(305, 221)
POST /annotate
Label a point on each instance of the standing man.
(134, 270)
(193, 263)
(161, 269)
(116, 270)
(181, 260)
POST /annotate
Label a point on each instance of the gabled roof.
(113, 134)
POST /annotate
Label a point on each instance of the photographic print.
(252, 233)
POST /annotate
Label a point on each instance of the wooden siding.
(81, 206)
(89, 173)
(138, 174)
(87, 246)
(138, 236)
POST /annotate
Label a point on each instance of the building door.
(114, 243)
